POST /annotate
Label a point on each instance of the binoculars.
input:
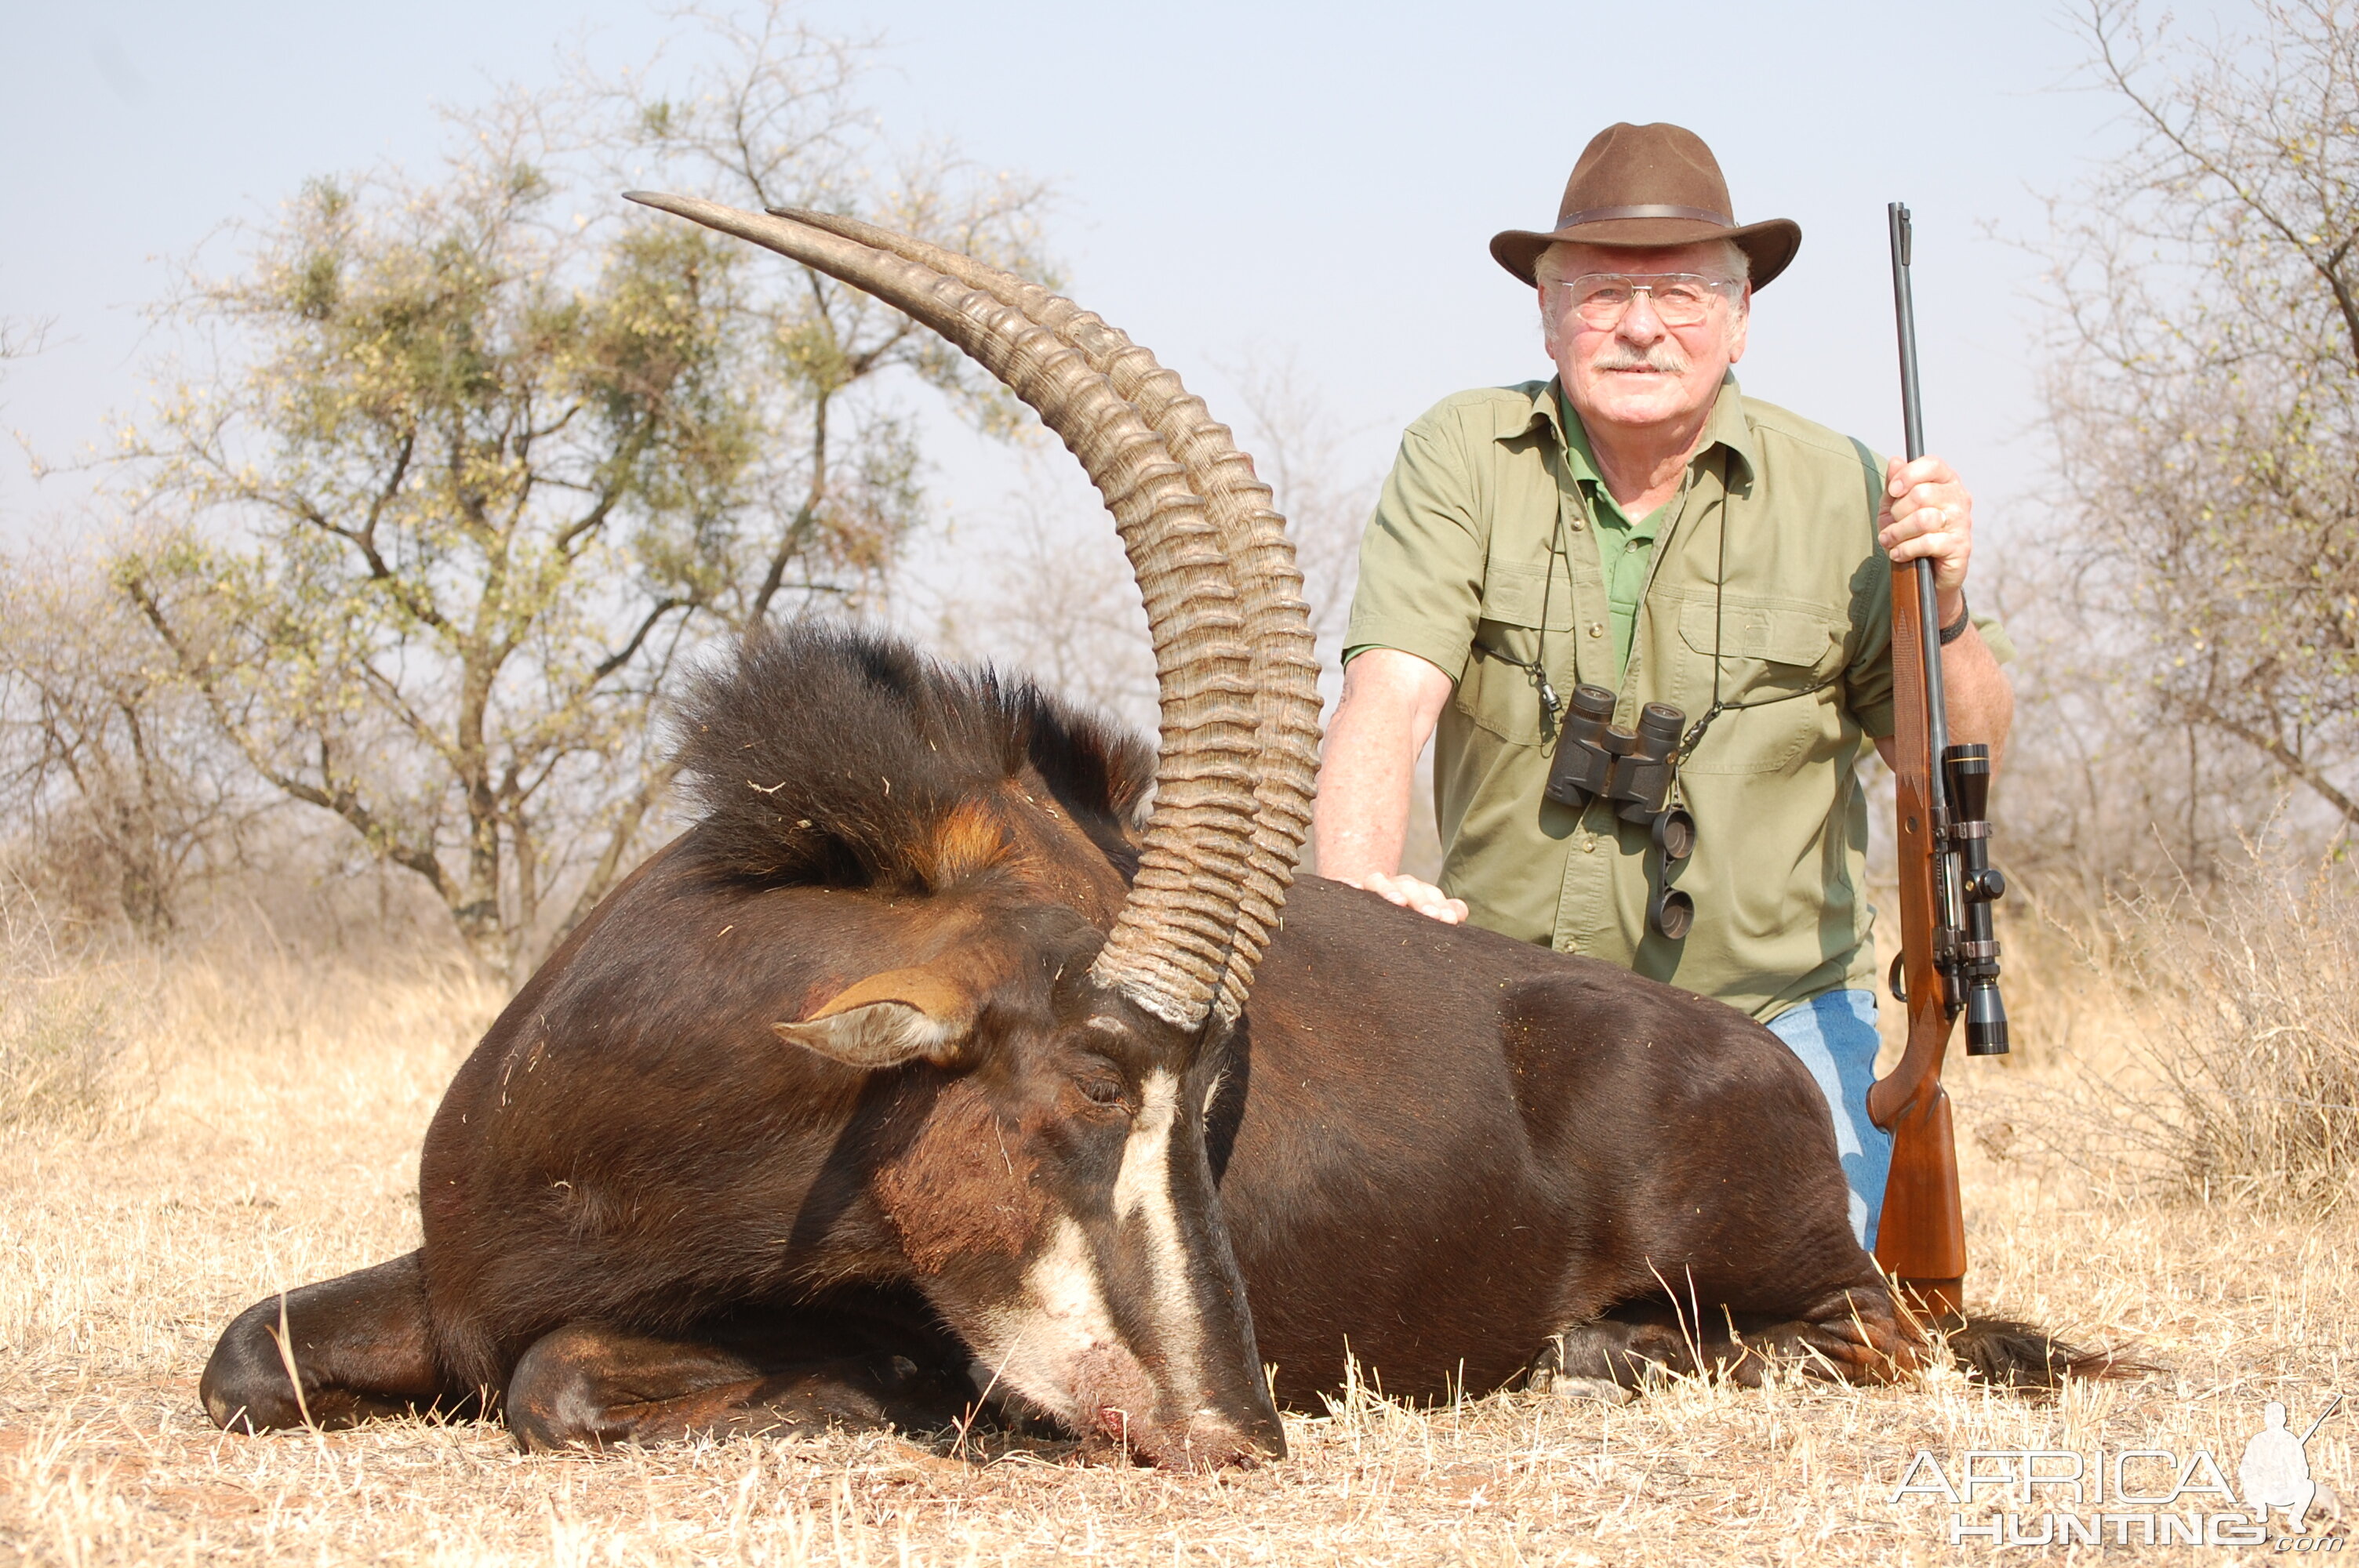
(1634, 770)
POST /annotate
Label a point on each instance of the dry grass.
(67, 1019)
(2240, 1080)
(267, 1138)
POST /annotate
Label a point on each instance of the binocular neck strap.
(1536, 667)
(1695, 735)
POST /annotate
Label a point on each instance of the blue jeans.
(1834, 1034)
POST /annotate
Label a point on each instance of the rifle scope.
(1980, 884)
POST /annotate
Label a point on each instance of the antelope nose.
(1215, 1442)
(1248, 1435)
(1264, 1439)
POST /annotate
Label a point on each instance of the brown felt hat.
(1650, 186)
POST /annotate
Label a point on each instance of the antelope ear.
(888, 1020)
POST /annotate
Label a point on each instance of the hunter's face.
(1639, 371)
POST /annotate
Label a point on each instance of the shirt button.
(1589, 844)
(1597, 628)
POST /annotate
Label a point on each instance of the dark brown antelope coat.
(1435, 1149)
(915, 1074)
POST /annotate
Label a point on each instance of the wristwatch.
(1957, 629)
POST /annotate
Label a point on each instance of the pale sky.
(1237, 182)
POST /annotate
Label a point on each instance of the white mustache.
(1662, 357)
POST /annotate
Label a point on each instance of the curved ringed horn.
(1254, 534)
(1172, 947)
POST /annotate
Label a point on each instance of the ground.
(261, 1129)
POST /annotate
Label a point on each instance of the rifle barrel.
(1912, 421)
(1903, 310)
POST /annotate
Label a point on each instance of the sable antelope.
(916, 1068)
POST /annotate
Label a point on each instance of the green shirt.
(1765, 582)
(1625, 549)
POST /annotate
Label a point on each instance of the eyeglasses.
(1680, 298)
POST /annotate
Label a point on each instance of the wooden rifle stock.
(1920, 1240)
(1921, 1237)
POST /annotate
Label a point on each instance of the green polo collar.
(1726, 428)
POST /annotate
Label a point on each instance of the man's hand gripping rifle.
(1949, 955)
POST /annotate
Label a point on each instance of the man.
(1637, 524)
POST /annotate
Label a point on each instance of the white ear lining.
(872, 1037)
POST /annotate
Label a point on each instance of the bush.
(2236, 1081)
(65, 1021)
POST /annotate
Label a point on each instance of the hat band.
(1652, 210)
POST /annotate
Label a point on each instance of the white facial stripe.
(1064, 1285)
(1142, 1195)
(1057, 1343)
(1059, 1322)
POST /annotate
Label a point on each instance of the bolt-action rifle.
(1949, 955)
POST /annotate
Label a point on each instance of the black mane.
(831, 754)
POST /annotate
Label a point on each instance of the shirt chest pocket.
(1780, 637)
(1514, 594)
(1493, 693)
(1782, 662)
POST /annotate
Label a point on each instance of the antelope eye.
(1101, 1089)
